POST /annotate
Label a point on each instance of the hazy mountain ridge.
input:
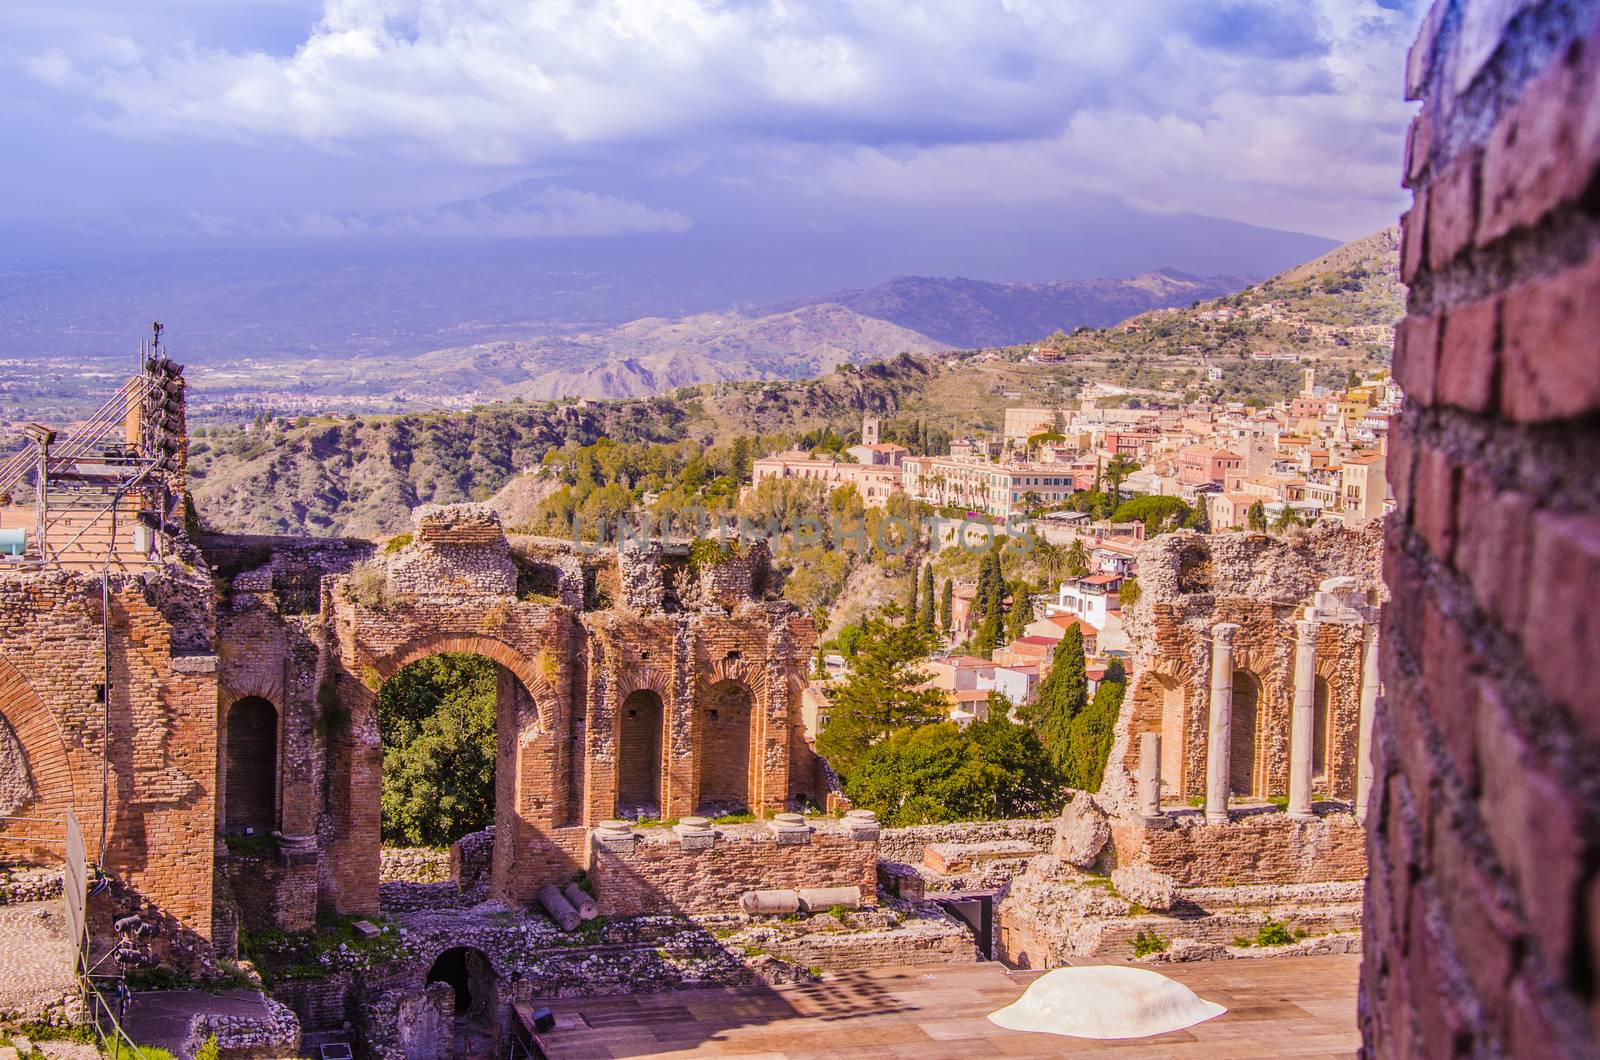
(974, 313)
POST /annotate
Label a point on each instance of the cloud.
(1215, 107)
(529, 210)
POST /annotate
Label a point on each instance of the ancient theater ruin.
(1240, 767)
(206, 709)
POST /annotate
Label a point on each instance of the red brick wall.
(1483, 908)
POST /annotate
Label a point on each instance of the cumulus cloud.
(1224, 108)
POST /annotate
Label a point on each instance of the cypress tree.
(911, 600)
(1021, 612)
(1061, 697)
(929, 605)
(947, 598)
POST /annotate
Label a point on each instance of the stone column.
(1302, 722)
(1217, 743)
(1369, 700)
(1150, 775)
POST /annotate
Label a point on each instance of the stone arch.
(1244, 757)
(528, 671)
(733, 666)
(250, 770)
(727, 720)
(641, 743)
(472, 976)
(49, 785)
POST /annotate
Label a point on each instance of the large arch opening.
(1321, 724)
(438, 721)
(1171, 736)
(1242, 772)
(639, 755)
(726, 719)
(250, 790)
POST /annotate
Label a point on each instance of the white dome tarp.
(1105, 1001)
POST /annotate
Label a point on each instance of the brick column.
(1303, 720)
(1369, 699)
(1221, 732)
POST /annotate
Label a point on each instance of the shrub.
(1147, 942)
(369, 585)
(396, 543)
(1274, 933)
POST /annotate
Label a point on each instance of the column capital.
(1305, 630)
(1223, 632)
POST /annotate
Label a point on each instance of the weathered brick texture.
(1483, 907)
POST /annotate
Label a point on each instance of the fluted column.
(1221, 731)
(1303, 720)
(1369, 700)
(1150, 775)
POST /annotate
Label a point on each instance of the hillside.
(362, 474)
(1336, 313)
(972, 313)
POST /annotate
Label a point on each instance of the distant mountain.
(654, 354)
(975, 313)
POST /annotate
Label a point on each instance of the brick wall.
(658, 873)
(162, 718)
(1483, 909)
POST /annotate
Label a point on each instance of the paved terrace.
(1277, 1007)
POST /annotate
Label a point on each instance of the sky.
(348, 121)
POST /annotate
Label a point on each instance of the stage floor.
(1277, 1007)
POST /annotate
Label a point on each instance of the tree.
(1061, 695)
(1255, 517)
(1089, 735)
(1117, 472)
(1128, 594)
(1159, 514)
(1052, 560)
(1021, 611)
(880, 694)
(1077, 558)
(947, 598)
(1286, 518)
(929, 614)
(911, 600)
(939, 773)
(436, 722)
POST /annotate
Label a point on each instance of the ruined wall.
(1483, 909)
(1254, 848)
(662, 871)
(1192, 582)
(162, 717)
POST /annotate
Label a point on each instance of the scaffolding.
(98, 495)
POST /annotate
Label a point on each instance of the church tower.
(869, 430)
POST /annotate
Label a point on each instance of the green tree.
(929, 612)
(911, 616)
(1128, 594)
(1021, 611)
(1285, 519)
(1117, 472)
(1077, 558)
(1061, 695)
(939, 773)
(881, 693)
(947, 597)
(1089, 735)
(1158, 514)
(436, 722)
(1052, 560)
(1255, 517)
